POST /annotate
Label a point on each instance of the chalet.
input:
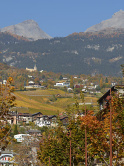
(16, 117)
(104, 101)
(24, 117)
(53, 120)
(36, 115)
(42, 121)
(45, 120)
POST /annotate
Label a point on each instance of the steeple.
(35, 67)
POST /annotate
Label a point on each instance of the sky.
(58, 18)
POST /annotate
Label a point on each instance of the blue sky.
(59, 18)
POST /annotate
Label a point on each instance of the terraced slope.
(47, 102)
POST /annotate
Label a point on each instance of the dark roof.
(107, 94)
(36, 113)
(24, 114)
(52, 116)
(65, 117)
(44, 115)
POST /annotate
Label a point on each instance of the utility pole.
(70, 147)
(85, 141)
(110, 129)
(49, 160)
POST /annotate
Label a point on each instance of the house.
(29, 76)
(78, 86)
(120, 89)
(84, 90)
(69, 89)
(31, 83)
(10, 120)
(104, 101)
(113, 83)
(7, 158)
(24, 117)
(62, 84)
(16, 117)
(21, 137)
(4, 82)
(53, 120)
(36, 115)
(7, 119)
(45, 120)
(42, 121)
(64, 120)
(65, 78)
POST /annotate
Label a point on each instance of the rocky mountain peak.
(29, 29)
(118, 14)
(116, 22)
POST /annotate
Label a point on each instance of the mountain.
(81, 53)
(99, 52)
(116, 22)
(28, 29)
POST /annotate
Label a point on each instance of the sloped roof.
(107, 94)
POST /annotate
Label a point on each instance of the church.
(31, 70)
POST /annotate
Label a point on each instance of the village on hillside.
(29, 122)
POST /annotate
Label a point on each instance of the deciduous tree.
(6, 102)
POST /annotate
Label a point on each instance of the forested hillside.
(83, 53)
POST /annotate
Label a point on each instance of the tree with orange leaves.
(98, 133)
(6, 102)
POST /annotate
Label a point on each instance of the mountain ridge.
(117, 22)
(28, 29)
(91, 52)
(76, 54)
